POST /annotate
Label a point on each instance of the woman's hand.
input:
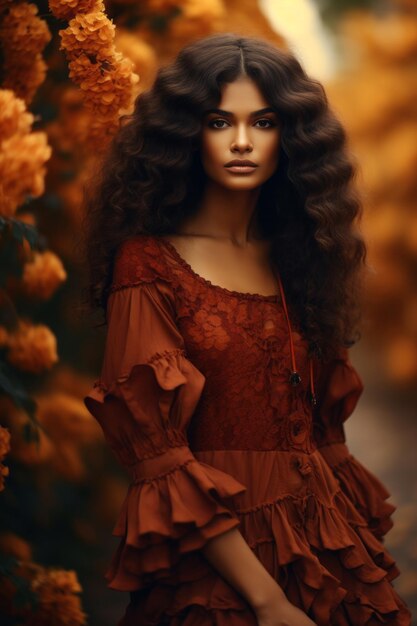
(281, 612)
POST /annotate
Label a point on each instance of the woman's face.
(243, 127)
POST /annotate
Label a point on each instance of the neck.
(225, 213)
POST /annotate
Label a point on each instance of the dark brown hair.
(152, 177)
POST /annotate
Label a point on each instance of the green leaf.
(22, 231)
(12, 387)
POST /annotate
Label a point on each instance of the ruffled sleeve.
(144, 400)
(340, 388)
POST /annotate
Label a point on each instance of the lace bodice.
(240, 343)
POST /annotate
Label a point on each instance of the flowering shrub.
(23, 35)
(23, 154)
(376, 99)
(104, 75)
(50, 596)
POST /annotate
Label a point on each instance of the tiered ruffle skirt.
(306, 519)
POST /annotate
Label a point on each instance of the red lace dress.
(195, 401)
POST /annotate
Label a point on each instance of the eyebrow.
(229, 114)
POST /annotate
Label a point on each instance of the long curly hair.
(152, 178)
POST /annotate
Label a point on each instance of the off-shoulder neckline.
(238, 294)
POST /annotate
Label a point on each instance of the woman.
(222, 244)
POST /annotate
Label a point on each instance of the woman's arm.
(231, 555)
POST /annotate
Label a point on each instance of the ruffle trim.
(362, 487)
(323, 555)
(172, 369)
(164, 518)
(334, 570)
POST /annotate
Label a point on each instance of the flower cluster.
(58, 603)
(32, 348)
(4, 449)
(65, 428)
(24, 36)
(14, 119)
(104, 75)
(376, 100)
(91, 33)
(22, 154)
(67, 9)
(198, 18)
(56, 592)
(186, 19)
(43, 274)
(69, 426)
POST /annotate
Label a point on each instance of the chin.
(242, 183)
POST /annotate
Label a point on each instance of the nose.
(241, 141)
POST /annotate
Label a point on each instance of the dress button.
(305, 469)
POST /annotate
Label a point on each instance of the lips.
(241, 163)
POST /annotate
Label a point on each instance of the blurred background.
(60, 489)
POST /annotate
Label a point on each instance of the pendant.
(295, 379)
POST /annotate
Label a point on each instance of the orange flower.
(22, 31)
(33, 452)
(105, 77)
(66, 581)
(24, 35)
(91, 33)
(196, 17)
(24, 79)
(56, 591)
(68, 426)
(14, 119)
(162, 6)
(67, 9)
(141, 54)
(107, 91)
(70, 130)
(58, 603)
(43, 274)
(22, 171)
(380, 87)
(32, 348)
(4, 449)
(22, 155)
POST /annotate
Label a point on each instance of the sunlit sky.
(300, 23)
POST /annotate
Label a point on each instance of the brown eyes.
(265, 123)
